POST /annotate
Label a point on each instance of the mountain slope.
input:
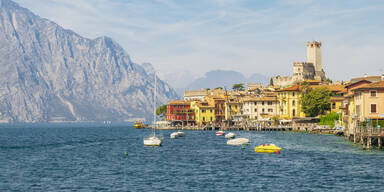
(49, 73)
(227, 78)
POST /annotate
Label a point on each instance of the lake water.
(90, 157)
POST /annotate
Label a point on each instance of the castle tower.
(314, 56)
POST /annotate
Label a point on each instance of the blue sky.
(190, 37)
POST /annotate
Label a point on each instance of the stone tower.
(314, 57)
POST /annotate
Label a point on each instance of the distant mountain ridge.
(52, 74)
(227, 78)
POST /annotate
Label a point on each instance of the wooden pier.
(369, 136)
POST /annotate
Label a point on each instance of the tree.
(305, 88)
(271, 82)
(160, 111)
(316, 102)
(238, 87)
(221, 88)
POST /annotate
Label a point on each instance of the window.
(255, 110)
(333, 105)
(373, 108)
(203, 111)
(294, 112)
(263, 110)
(210, 110)
(373, 93)
(270, 110)
(262, 103)
(269, 102)
(211, 119)
(293, 94)
(203, 118)
(293, 103)
(255, 103)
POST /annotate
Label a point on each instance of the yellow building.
(204, 112)
(289, 102)
(233, 108)
(369, 101)
(336, 104)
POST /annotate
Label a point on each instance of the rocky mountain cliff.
(52, 74)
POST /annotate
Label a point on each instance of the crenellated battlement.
(314, 44)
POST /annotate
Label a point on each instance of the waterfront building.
(204, 112)
(195, 95)
(201, 94)
(369, 101)
(180, 113)
(308, 70)
(289, 102)
(233, 108)
(260, 108)
(348, 107)
(219, 103)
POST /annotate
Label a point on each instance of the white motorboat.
(238, 141)
(174, 135)
(181, 134)
(230, 135)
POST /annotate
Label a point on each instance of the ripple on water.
(91, 158)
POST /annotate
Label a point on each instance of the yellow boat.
(138, 125)
(272, 148)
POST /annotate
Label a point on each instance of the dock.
(368, 136)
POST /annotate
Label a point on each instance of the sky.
(186, 38)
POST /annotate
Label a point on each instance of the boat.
(174, 135)
(181, 134)
(238, 141)
(230, 135)
(270, 148)
(153, 140)
(220, 133)
(138, 125)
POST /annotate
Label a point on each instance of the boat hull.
(267, 149)
(152, 141)
(238, 141)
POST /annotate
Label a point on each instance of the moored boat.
(181, 134)
(220, 133)
(174, 135)
(270, 148)
(138, 125)
(152, 141)
(230, 135)
(238, 141)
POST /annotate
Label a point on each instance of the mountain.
(221, 78)
(52, 74)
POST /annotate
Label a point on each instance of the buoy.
(277, 152)
(243, 147)
(125, 153)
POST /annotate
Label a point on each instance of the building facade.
(180, 113)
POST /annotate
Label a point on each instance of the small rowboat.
(271, 148)
(220, 133)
